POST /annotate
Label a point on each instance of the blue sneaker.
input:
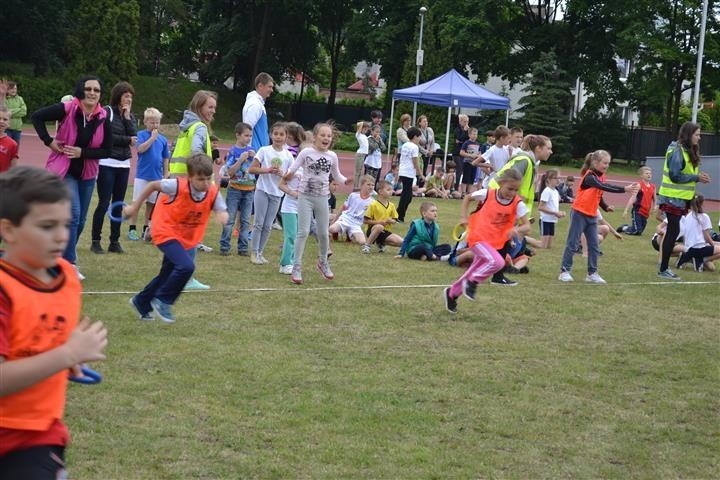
(162, 310)
(194, 284)
(143, 316)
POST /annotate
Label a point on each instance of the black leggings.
(671, 235)
(405, 197)
(35, 463)
(112, 184)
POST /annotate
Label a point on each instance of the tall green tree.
(104, 38)
(157, 18)
(35, 32)
(546, 105)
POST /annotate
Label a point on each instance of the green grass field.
(368, 376)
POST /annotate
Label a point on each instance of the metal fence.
(643, 142)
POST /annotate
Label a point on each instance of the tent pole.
(392, 113)
(507, 117)
(447, 140)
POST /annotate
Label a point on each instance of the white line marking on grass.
(386, 287)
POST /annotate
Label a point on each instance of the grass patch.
(331, 380)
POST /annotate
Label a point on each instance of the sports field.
(368, 376)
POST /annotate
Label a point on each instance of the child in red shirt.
(8, 146)
(642, 203)
(41, 336)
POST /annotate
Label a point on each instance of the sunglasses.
(92, 89)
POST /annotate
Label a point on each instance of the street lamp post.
(419, 59)
(698, 69)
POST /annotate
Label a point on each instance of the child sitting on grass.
(421, 240)
(41, 334)
(380, 216)
(350, 221)
(434, 185)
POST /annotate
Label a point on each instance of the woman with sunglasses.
(83, 136)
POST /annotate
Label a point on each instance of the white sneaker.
(256, 259)
(286, 269)
(365, 248)
(276, 226)
(80, 276)
(204, 248)
(262, 259)
(595, 278)
(565, 277)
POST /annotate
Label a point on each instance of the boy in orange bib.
(179, 220)
(41, 337)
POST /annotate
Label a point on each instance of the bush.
(593, 131)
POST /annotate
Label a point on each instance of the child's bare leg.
(375, 231)
(148, 212)
(394, 240)
(359, 237)
(546, 241)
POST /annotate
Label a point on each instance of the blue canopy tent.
(449, 90)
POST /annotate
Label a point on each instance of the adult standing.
(462, 135)
(114, 171)
(401, 134)
(680, 176)
(253, 112)
(194, 138)
(84, 136)
(427, 144)
(16, 106)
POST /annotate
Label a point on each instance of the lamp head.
(423, 10)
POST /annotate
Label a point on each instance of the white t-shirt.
(497, 156)
(354, 208)
(269, 157)
(317, 166)
(289, 205)
(362, 142)
(481, 195)
(374, 159)
(692, 227)
(551, 197)
(408, 151)
(169, 186)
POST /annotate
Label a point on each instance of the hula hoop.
(89, 376)
(112, 206)
(458, 232)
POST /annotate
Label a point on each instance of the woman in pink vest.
(84, 136)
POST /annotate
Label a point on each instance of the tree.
(546, 106)
(110, 50)
(156, 20)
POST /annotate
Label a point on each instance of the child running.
(152, 165)
(269, 164)
(317, 163)
(489, 229)
(41, 337)
(351, 219)
(380, 216)
(641, 204)
(549, 207)
(584, 215)
(179, 221)
(241, 190)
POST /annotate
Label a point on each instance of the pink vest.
(59, 163)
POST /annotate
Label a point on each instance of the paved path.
(33, 152)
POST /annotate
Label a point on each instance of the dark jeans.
(43, 462)
(82, 191)
(638, 225)
(405, 197)
(177, 269)
(112, 184)
(14, 134)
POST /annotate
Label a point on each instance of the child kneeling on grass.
(420, 242)
(179, 221)
(41, 337)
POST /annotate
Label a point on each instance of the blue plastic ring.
(90, 376)
(112, 207)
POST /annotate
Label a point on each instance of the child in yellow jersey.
(380, 216)
(41, 335)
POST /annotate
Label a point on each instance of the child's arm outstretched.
(130, 210)
(406, 241)
(86, 344)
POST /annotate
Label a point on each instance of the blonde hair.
(200, 99)
(593, 157)
(531, 142)
(367, 179)
(405, 117)
(425, 206)
(644, 169)
(152, 112)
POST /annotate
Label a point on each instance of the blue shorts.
(547, 229)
